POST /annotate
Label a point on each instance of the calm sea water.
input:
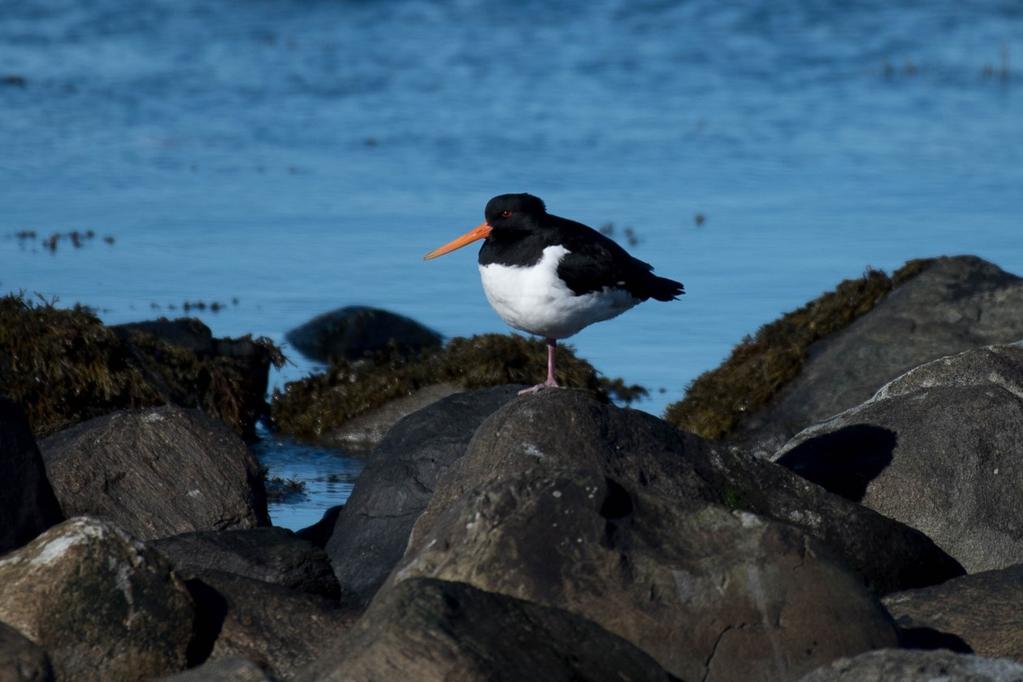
(302, 155)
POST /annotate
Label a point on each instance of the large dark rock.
(21, 660)
(353, 332)
(917, 666)
(373, 529)
(710, 594)
(27, 503)
(273, 555)
(279, 629)
(103, 605)
(436, 631)
(157, 472)
(982, 610)
(568, 430)
(953, 305)
(938, 450)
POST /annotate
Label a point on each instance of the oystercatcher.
(551, 276)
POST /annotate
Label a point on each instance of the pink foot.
(539, 387)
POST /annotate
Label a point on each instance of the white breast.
(533, 299)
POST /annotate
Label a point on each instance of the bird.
(550, 276)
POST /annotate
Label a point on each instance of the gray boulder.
(27, 503)
(365, 432)
(955, 304)
(273, 555)
(373, 529)
(354, 332)
(569, 430)
(982, 610)
(279, 629)
(889, 665)
(436, 631)
(157, 472)
(103, 605)
(709, 593)
(21, 660)
(938, 449)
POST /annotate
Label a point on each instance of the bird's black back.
(594, 261)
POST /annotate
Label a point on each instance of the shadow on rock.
(844, 461)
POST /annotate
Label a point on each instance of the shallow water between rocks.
(285, 158)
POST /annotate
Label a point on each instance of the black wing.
(594, 262)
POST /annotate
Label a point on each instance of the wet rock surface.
(279, 629)
(231, 669)
(982, 610)
(157, 472)
(917, 666)
(432, 630)
(102, 605)
(27, 503)
(21, 660)
(272, 555)
(938, 450)
(373, 529)
(707, 592)
(568, 430)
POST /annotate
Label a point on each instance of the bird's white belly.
(533, 299)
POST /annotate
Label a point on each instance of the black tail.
(664, 289)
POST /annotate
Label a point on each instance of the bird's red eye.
(506, 214)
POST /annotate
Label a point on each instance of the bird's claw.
(539, 387)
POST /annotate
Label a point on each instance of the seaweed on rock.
(312, 406)
(63, 365)
(717, 401)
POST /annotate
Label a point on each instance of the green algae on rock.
(716, 401)
(319, 403)
(64, 366)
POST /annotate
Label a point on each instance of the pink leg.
(552, 346)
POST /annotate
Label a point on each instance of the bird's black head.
(510, 211)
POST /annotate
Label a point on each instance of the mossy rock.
(717, 401)
(322, 402)
(64, 366)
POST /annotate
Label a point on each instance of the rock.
(27, 503)
(231, 669)
(373, 529)
(226, 377)
(157, 472)
(567, 430)
(21, 660)
(367, 430)
(353, 332)
(937, 450)
(434, 631)
(981, 609)
(279, 629)
(953, 304)
(103, 605)
(64, 366)
(273, 555)
(917, 666)
(708, 593)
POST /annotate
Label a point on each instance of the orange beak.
(479, 232)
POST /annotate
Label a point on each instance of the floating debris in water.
(631, 237)
(607, 229)
(13, 80)
(699, 219)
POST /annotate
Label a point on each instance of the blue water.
(303, 155)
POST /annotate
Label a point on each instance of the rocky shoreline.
(864, 521)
